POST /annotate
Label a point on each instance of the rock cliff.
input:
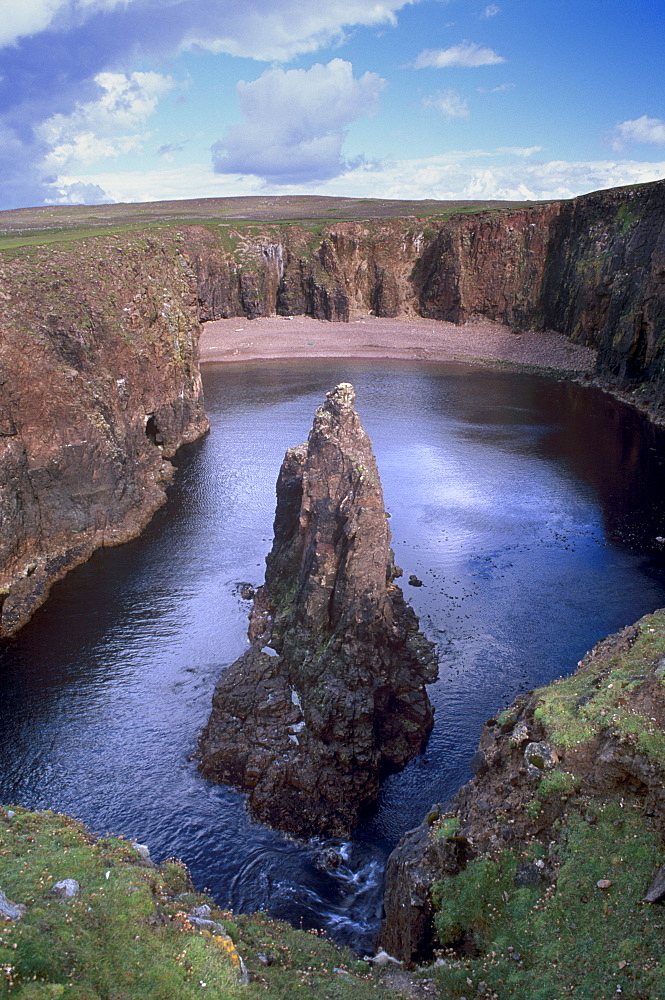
(331, 693)
(99, 379)
(553, 756)
(99, 385)
(603, 281)
(591, 268)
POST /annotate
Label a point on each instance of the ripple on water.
(528, 508)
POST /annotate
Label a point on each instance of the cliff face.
(488, 264)
(448, 268)
(99, 379)
(328, 273)
(603, 282)
(331, 694)
(591, 268)
(99, 385)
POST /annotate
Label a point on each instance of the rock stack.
(331, 693)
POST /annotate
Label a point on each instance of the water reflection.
(527, 506)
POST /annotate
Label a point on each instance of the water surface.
(527, 506)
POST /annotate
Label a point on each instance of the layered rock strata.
(99, 385)
(331, 693)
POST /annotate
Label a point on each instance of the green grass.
(127, 936)
(563, 938)
(446, 827)
(596, 699)
(45, 226)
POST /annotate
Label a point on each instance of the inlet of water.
(527, 506)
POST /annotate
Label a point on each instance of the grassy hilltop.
(62, 223)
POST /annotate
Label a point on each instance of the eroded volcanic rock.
(331, 693)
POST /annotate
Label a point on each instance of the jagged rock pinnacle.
(310, 731)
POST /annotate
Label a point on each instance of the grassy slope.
(584, 930)
(127, 935)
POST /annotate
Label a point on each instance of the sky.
(143, 100)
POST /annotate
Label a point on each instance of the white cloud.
(295, 122)
(278, 30)
(192, 180)
(260, 29)
(471, 174)
(25, 17)
(449, 103)
(520, 150)
(641, 130)
(79, 193)
(465, 54)
(491, 10)
(21, 18)
(107, 127)
(485, 175)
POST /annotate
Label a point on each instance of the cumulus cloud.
(449, 103)
(54, 50)
(80, 193)
(260, 29)
(491, 10)
(295, 122)
(466, 54)
(477, 174)
(641, 130)
(106, 127)
(486, 175)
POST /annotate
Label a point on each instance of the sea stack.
(330, 696)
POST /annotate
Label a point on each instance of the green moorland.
(587, 935)
(64, 223)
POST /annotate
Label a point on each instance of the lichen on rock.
(310, 731)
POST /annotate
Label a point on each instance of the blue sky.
(143, 100)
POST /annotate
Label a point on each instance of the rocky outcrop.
(591, 268)
(99, 385)
(331, 272)
(564, 747)
(331, 693)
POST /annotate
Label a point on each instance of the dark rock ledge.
(331, 694)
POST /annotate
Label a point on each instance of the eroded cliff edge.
(99, 385)
(331, 695)
(592, 268)
(556, 840)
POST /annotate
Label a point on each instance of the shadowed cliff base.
(331, 694)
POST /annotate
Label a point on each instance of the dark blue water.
(529, 509)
